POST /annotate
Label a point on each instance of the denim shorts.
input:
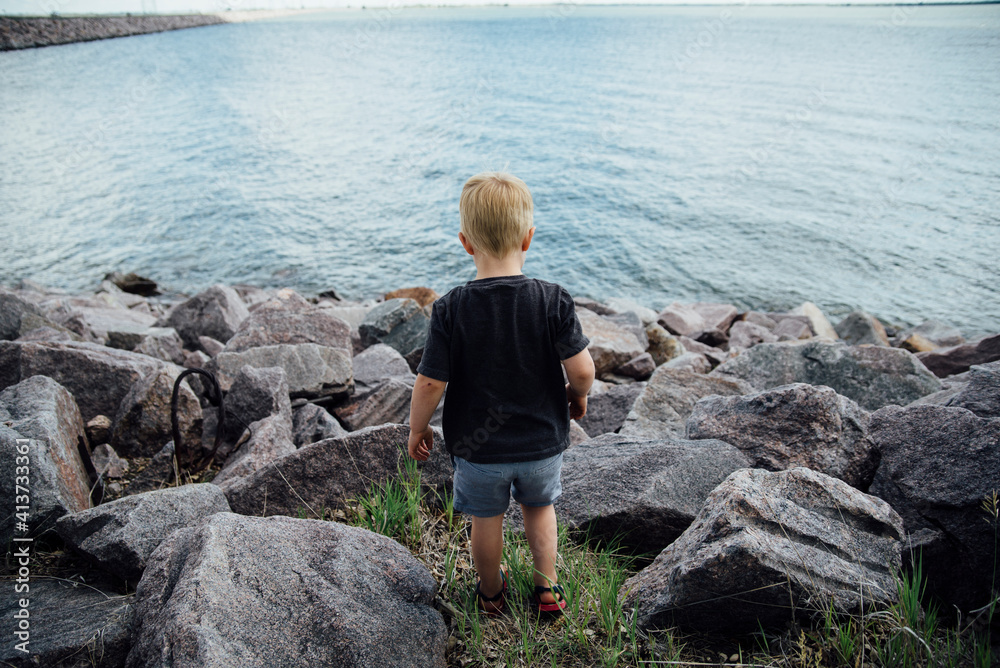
(484, 490)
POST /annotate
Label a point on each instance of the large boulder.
(939, 464)
(312, 423)
(859, 328)
(99, 323)
(278, 591)
(324, 475)
(311, 370)
(873, 376)
(399, 323)
(71, 625)
(606, 412)
(940, 334)
(119, 536)
(640, 494)
(611, 344)
(142, 422)
(956, 359)
(287, 318)
(377, 364)
(160, 342)
(668, 398)
(256, 393)
(769, 546)
(98, 377)
(743, 335)
(41, 431)
(388, 402)
(693, 320)
(19, 317)
(981, 394)
(793, 425)
(270, 439)
(216, 312)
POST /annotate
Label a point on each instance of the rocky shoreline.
(29, 32)
(777, 465)
(34, 32)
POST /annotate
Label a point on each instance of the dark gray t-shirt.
(499, 343)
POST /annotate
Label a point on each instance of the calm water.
(760, 156)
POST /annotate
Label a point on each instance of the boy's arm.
(426, 396)
(580, 373)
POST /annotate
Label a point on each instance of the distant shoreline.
(29, 32)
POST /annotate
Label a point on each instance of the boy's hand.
(577, 404)
(420, 444)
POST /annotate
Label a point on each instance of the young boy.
(501, 342)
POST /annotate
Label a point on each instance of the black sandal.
(557, 592)
(497, 601)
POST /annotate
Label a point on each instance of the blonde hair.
(496, 212)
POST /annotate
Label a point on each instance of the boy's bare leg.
(487, 553)
(540, 530)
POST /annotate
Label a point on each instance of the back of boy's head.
(496, 213)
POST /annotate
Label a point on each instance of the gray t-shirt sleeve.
(570, 338)
(436, 361)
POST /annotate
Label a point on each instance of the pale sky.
(70, 7)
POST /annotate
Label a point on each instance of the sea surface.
(761, 156)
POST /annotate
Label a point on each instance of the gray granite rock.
(668, 398)
(270, 439)
(767, 547)
(311, 370)
(611, 345)
(107, 463)
(792, 425)
(399, 323)
(141, 425)
(859, 328)
(98, 377)
(387, 403)
(19, 317)
(216, 312)
(690, 362)
(638, 368)
(324, 475)
(40, 434)
(287, 318)
(981, 393)
(957, 359)
(621, 305)
(278, 591)
(640, 494)
(743, 335)
(312, 423)
(256, 393)
(792, 327)
(939, 333)
(606, 411)
(72, 625)
(160, 342)
(377, 364)
(938, 465)
(120, 536)
(873, 376)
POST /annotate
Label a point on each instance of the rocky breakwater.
(774, 466)
(31, 32)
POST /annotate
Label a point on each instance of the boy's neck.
(491, 267)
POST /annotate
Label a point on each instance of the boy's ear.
(465, 244)
(527, 239)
